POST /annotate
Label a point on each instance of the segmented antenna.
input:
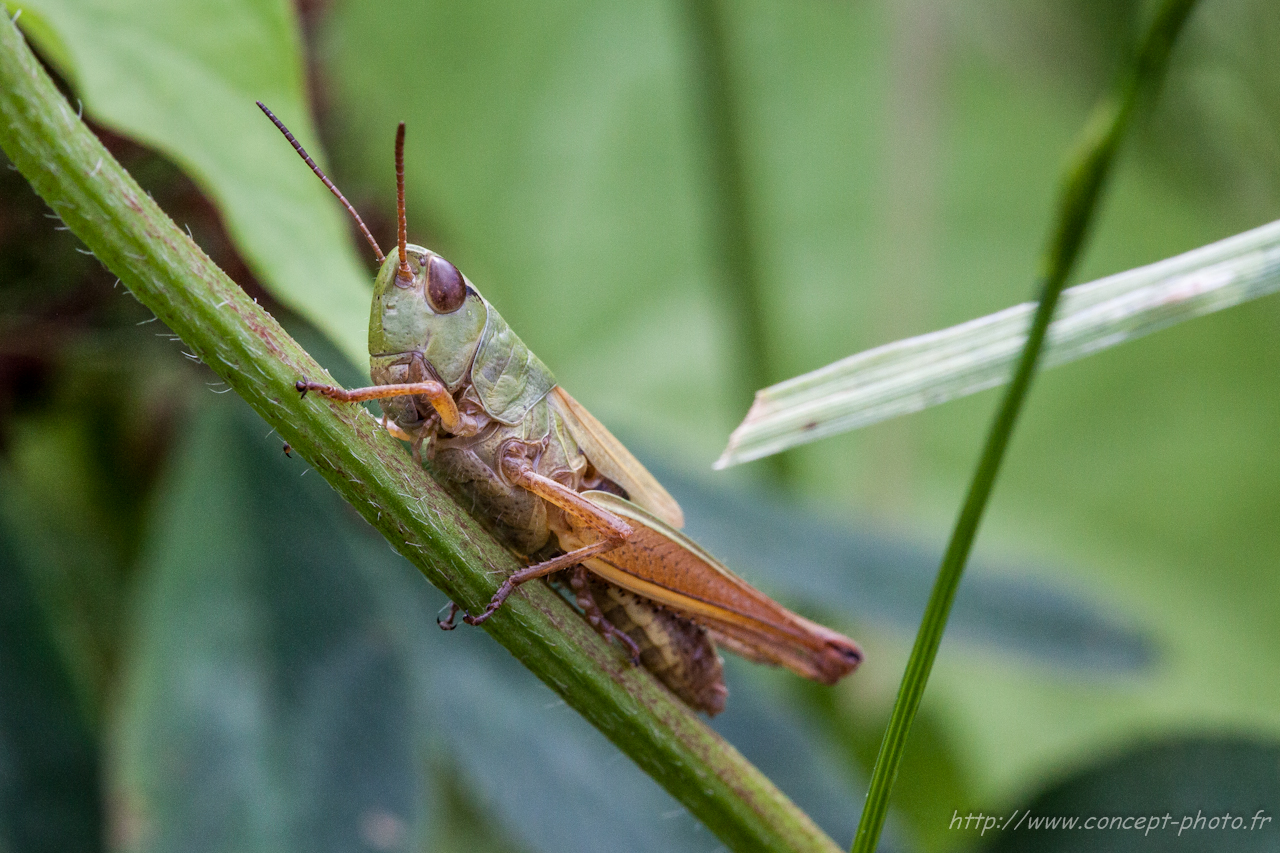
(297, 146)
(403, 272)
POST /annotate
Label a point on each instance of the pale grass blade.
(914, 373)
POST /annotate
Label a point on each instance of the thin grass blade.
(912, 374)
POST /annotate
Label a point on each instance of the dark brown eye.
(446, 291)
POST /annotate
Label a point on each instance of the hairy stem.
(238, 340)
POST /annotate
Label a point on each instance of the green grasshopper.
(550, 482)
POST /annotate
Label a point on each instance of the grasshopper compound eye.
(446, 291)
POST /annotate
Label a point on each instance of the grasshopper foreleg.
(440, 398)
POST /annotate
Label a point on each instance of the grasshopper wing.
(612, 459)
(660, 563)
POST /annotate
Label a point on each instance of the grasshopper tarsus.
(305, 385)
(446, 623)
(609, 630)
(504, 591)
(330, 391)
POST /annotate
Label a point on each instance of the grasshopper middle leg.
(538, 570)
(612, 529)
(581, 586)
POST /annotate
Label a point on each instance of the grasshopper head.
(424, 310)
(422, 306)
(435, 313)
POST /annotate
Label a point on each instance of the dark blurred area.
(92, 390)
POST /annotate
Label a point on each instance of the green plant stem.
(1086, 173)
(238, 340)
(735, 255)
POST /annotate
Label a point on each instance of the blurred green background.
(201, 649)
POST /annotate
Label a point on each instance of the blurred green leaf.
(1195, 780)
(267, 706)
(49, 763)
(182, 78)
(80, 459)
(549, 779)
(789, 748)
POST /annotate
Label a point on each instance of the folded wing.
(664, 565)
(612, 459)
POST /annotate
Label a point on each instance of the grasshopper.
(554, 486)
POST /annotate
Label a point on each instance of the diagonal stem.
(167, 272)
(1085, 176)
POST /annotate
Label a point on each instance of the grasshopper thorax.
(470, 345)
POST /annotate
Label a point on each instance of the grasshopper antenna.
(403, 272)
(297, 146)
